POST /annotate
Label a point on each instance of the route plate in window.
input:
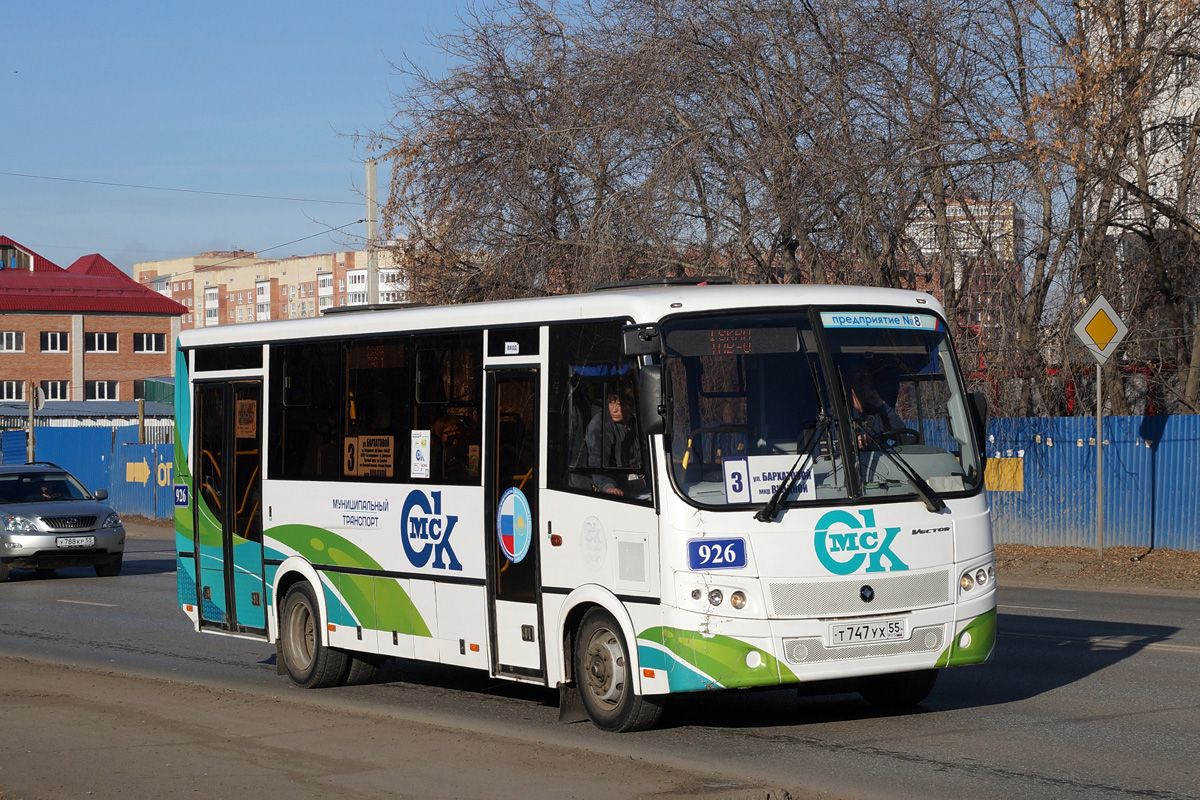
(75, 541)
(879, 630)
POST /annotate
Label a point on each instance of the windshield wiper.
(767, 513)
(933, 501)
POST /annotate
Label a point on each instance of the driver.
(869, 408)
(612, 443)
(48, 492)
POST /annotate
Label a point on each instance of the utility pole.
(372, 236)
(29, 439)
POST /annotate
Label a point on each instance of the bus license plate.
(76, 541)
(880, 630)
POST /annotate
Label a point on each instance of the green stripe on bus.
(375, 602)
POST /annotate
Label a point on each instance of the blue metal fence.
(1044, 481)
(138, 477)
(12, 447)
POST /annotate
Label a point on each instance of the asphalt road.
(1092, 694)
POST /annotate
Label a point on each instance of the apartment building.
(235, 286)
(87, 332)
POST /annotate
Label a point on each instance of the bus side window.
(596, 443)
(448, 369)
(377, 413)
(306, 416)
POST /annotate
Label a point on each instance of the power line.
(182, 191)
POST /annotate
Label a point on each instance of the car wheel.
(110, 568)
(602, 673)
(5, 570)
(309, 663)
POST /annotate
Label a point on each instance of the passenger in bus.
(873, 413)
(612, 445)
(452, 440)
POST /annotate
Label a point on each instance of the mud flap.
(570, 707)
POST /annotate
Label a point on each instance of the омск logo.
(425, 531)
(844, 541)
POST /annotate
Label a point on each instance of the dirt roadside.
(70, 732)
(1121, 569)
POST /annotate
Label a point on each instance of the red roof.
(92, 284)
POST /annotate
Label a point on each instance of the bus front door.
(512, 478)
(228, 506)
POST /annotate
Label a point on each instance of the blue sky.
(234, 97)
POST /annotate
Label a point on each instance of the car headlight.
(15, 524)
(113, 520)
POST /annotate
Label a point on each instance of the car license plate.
(880, 630)
(76, 541)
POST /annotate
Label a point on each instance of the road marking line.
(1037, 608)
(1108, 642)
(86, 603)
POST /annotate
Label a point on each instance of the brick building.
(87, 332)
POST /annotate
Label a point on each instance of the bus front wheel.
(899, 690)
(309, 663)
(606, 684)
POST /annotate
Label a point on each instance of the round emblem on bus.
(514, 525)
(867, 594)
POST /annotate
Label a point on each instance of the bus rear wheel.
(361, 668)
(606, 684)
(309, 663)
(900, 690)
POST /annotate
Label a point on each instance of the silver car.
(48, 520)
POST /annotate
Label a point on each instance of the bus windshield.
(751, 403)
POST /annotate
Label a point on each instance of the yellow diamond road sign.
(1100, 329)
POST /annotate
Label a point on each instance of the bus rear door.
(228, 509)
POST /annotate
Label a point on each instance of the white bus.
(636, 492)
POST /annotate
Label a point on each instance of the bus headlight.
(715, 597)
(977, 577)
(738, 600)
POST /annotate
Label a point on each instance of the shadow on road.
(1035, 655)
(1038, 654)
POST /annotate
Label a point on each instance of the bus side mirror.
(641, 340)
(650, 399)
(979, 407)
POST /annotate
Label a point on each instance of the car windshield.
(750, 401)
(40, 487)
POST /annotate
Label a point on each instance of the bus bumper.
(705, 653)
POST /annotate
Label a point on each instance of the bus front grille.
(812, 649)
(841, 598)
